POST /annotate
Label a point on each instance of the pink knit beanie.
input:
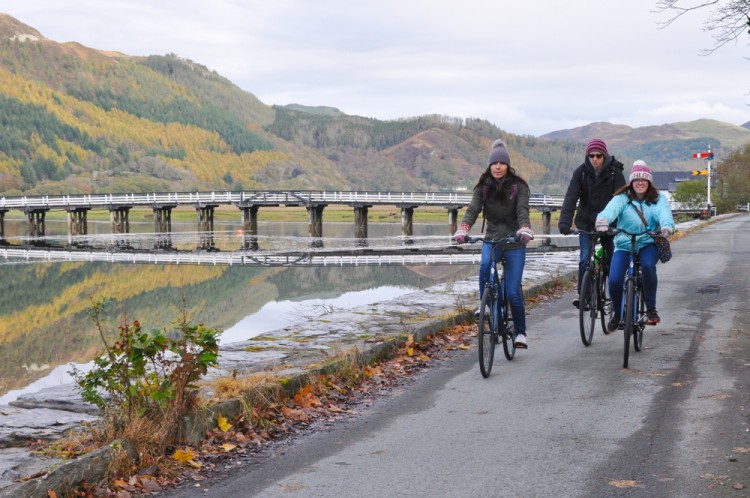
(640, 172)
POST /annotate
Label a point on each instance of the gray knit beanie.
(499, 154)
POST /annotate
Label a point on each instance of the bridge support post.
(452, 220)
(315, 222)
(119, 218)
(407, 220)
(36, 218)
(78, 221)
(360, 221)
(250, 227)
(546, 219)
(2, 223)
(162, 219)
(205, 217)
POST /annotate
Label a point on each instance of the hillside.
(670, 146)
(75, 119)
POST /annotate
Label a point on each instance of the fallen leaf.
(227, 447)
(223, 424)
(186, 456)
(463, 346)
(739, 485)
(627, 483)
(51, 494)
(336, 409)
(740, 449)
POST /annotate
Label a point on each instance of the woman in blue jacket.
(638, 196)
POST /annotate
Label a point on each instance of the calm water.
(44, 324)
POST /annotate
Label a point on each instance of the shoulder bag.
(663, 248)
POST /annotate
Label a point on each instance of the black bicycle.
(495, 319)
(593, 297)
(633, 309)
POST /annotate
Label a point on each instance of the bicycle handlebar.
(591, 234)
(615, 231)
(510, 239)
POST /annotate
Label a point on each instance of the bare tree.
(727, 19)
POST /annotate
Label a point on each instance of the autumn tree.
(692, 194)
(733, 179)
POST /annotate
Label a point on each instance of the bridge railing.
(261, 197)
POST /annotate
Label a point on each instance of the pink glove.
(525, 234)
(602, 225)
(462, 233)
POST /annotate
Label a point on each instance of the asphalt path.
(560, 419)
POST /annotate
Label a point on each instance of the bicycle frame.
(593, 296)
(494, 298)
(632, 308)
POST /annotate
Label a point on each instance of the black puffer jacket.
(504, 216)
(592, 192)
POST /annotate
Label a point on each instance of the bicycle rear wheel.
(640, 323)
(629, 316)
(487, 328)
(605, 300)
(587, 307)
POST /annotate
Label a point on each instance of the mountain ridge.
(104, 121)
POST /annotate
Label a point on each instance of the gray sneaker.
(520, 342)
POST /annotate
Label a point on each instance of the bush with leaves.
(148, 376)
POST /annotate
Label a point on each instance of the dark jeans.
(584, 242)
(620, 263)
(515, 261)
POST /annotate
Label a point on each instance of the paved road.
(560, 419)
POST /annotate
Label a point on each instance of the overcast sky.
(528, 66)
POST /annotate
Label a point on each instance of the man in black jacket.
(591, 186)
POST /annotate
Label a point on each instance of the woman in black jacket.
(503, 198)
(591, 187)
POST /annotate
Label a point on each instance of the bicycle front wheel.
(605, 300)
(587, 307)
(629, 316)
(486, 335)
(640, 324)
(509, 333)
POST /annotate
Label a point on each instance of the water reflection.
(43, 306)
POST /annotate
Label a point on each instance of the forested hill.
(77, 119)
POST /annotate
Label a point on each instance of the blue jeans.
(618, 268)
(584, 243)
(515, 261)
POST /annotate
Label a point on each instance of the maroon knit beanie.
(596, 144)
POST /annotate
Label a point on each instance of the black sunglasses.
(596, 156)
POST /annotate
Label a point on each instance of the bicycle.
(633, 308)
(593, 297)
(495, 319)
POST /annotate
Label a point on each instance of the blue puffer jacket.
(622, 209)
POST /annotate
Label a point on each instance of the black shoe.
(613, 324)
(652, 317)
(576, 302)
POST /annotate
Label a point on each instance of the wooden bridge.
(248, 202)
